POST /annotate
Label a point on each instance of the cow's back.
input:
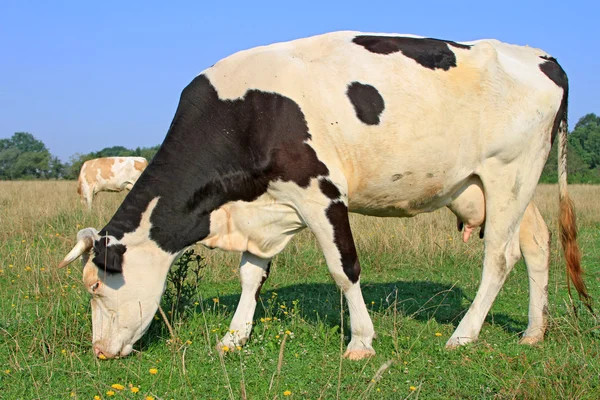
(402, 128)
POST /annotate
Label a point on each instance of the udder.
(469, 208)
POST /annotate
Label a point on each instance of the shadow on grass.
(420, 300)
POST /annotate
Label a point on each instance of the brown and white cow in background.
(108, 174)
(279, 138)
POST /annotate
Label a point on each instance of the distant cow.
(278, 138)
(109, 174)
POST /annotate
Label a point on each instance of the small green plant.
(182, 280)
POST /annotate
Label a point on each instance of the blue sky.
(83, 75)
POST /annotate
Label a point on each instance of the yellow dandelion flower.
(282, 306)
(26, 296)
(215, 299)
(72, 394)
(288, 332)
(276, 336)
(232, 331)
(58, 234)
(153, 371)
(110, 393)
(10, 265)
(7, 371)
(196, 303)
(102, 356)
(285, 313)
(63, 351)
(287, 393)
(412, 388)
(188, 342)
(96, 397)
(438, 334)
(42, 269)
(27, 268)
(378, 390)
(225, 349)
(214, 330)
(23, 241)
(262, 320)
(135, 389)
(238, 348)
(117, 386)
(149, 398)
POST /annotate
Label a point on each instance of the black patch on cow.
(552, 69)
(368, 103)
(108, 257)
(337, 213)
(430, 53)
(217, 151)
(329, 189)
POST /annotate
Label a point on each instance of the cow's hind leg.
(506, 200)
(534, 239)
(253, 273)
(331, 226)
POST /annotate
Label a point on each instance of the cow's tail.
(567, 224)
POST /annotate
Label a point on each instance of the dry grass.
(27, 207)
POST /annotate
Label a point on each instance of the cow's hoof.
(359, 354)
(456, 342)
(531, 340)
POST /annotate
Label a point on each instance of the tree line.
(24, 157)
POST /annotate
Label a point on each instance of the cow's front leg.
(331, 226)
(253, 273)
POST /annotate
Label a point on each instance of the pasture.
(418, 280)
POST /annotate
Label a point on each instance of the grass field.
(418, 280)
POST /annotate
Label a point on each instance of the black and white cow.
(278, 138)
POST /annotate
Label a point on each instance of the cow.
(294, 135)
(108, 174)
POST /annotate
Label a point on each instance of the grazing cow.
(109, 174)
(278, 138)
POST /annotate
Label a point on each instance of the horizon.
(82, 77)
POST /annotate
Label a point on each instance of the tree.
(24, 157)
(583, 153)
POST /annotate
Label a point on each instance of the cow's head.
(126, 279)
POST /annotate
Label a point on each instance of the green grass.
(418, 279)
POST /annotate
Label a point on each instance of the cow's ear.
(107, 257)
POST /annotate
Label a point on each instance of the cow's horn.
(83, 245)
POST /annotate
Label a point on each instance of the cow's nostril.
(99, 353)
